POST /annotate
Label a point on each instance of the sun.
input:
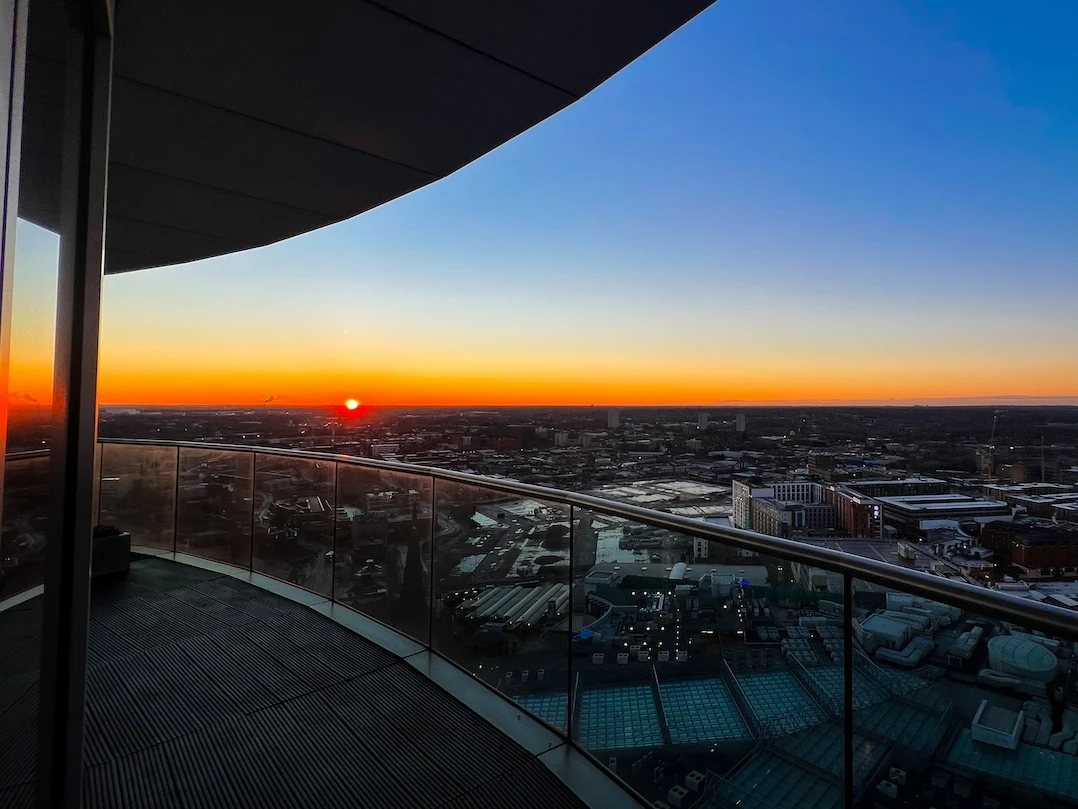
(351, 404)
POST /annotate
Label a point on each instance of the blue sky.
(791, 200)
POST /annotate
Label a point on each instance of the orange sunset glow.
(158, 371)
(556, 381)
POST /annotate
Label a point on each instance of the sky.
(859, 201)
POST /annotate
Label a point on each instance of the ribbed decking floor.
(204, 691)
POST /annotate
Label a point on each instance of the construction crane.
(992, 449)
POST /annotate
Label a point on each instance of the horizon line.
(987, 401)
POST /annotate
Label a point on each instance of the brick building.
(856, 514)
(1040, 550)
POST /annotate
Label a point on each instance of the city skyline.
(827, 205)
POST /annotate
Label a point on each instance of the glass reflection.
(25, 522)
(502, 594)
(698, 669)
(383, 549)
(975, 711)
(213, 518)
(138, 493)
(293, 521)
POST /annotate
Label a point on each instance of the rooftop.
(998, 718)
(883, 550)
(1029, 533)
(892, 481)
(1013, 488)
(1058, 497)
(940, 502)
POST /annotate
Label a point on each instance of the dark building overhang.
(238, 124)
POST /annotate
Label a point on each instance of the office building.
(1042, 505)
(743, 489)
(908, 514)
(900, 487)
(1065, 512)
(796, 491)
(847, 512)
(701, 421)
(613, 418)
(787, 518)
(1011, 491)
(856, 515)
(1039, 550)
(588, 439)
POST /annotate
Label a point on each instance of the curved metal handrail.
(992, 603)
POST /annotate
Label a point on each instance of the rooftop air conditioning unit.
(682, 656)
(623, 658)
(664, 657)
(612, 763)
(598, 658)
(678, 796)
(888, 789)
(509, 676)
(642, 657)
(695, 780)
(524, 676)
(897, 776)
(541, 675)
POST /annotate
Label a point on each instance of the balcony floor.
(205, 691)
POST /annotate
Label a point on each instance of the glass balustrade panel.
(213, 518)
(294, 521)
(501, 594)
(382, 557)
(974, 710)
(138, 493)
(700, 668)
(96, 493)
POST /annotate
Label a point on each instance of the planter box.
(110, 555)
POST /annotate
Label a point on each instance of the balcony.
(204, 690)
(307, 629)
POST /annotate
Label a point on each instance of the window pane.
(27, 370)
